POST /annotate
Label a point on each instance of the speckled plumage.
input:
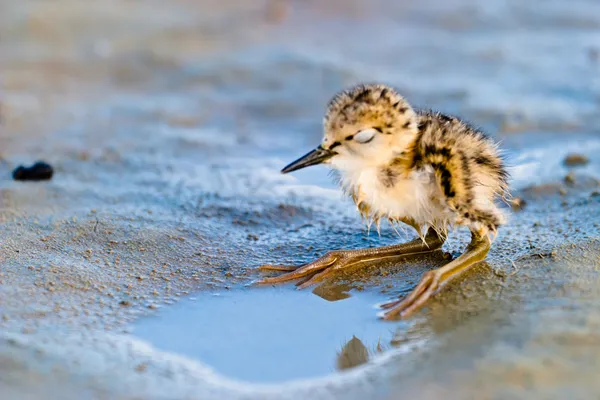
(421, 167)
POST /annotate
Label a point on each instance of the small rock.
(40, 171)
(125, 303)
(517, 204)
(499, 273)
(570, 179)
(575, 160)
(141, 367)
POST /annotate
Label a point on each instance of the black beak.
(317, 156)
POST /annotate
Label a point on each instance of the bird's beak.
(317, 156)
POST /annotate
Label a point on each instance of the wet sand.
(167, 127)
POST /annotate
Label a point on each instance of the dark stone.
(40, 171)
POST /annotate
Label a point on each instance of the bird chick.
(424, 169)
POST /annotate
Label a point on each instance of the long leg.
(339, 259)
(433, 281)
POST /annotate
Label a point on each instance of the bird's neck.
(396, 158)
(402, 148)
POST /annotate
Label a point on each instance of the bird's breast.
(413, 195)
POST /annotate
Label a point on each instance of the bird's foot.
(433, 281)
(427, 287)
(315, 271)
(337, 260)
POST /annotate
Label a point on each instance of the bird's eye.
(365, 136)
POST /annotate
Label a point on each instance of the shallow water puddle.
(269, 334)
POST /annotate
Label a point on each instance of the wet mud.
(167, 128)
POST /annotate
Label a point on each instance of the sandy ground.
(167, 127)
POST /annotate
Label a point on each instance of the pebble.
(575, 160)
(40, 171)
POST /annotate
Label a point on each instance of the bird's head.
(366, 125)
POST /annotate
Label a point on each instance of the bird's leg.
(433, 281)
(340, 259)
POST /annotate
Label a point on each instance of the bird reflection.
(355, 353)
(333, 291)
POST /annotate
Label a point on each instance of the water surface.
(267, 334)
